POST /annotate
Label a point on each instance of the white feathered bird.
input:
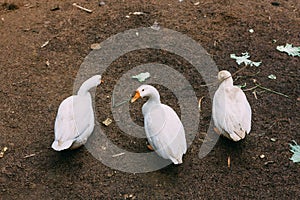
(231, 110)
(75, 118)
(163, 127)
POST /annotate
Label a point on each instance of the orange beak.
(101, 81)
(136, 96)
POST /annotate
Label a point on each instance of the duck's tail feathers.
(177, 161)
(58, 145)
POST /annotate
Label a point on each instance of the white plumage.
(75, 118)
(163, 127)
(231, 110)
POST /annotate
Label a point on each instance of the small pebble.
(262, 156)
(273, 139)
(56, 7)
(101, 3)
(269, 162)
(47, 63)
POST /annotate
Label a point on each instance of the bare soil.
(31, 91)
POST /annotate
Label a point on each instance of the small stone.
(101, 3)
(54, 8)
(110, 174)
(262, 156)
(269, 162)
(251, 30)
(273, 139)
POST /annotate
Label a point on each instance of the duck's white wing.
(236, 112)
(72, 120)
(165, 132)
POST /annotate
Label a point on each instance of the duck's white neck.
(227, 82)
(86, 86)
(154, 97)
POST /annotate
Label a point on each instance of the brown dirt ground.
(31, 91)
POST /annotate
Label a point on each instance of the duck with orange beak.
(163, 128)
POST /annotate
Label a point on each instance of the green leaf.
(289, 49)
(296, 150)
(242, 86)
(142, 76)
(244, 59)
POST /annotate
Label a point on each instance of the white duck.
(231, 110)
(75, 118)
(163, 127)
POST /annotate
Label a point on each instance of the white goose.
(163, 127)
(75, 118)
(231, 110)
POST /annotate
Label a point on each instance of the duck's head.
(143, 91)
(94, 81)
(98, 79)
(223, 75)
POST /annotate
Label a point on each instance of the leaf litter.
(289, 49)
(244, 59)
(295, 149)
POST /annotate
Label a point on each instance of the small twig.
(117, 155)
(30, 155)
(123, 102)
(232, 75)
(269, 90)
(82, 8)
(209, 84)
(199, 103)
(249, 89)
(45, 44)
(252, 75)
(254, 93)
(238, 71)
(266, 89)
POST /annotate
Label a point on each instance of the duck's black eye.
(143, 90)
